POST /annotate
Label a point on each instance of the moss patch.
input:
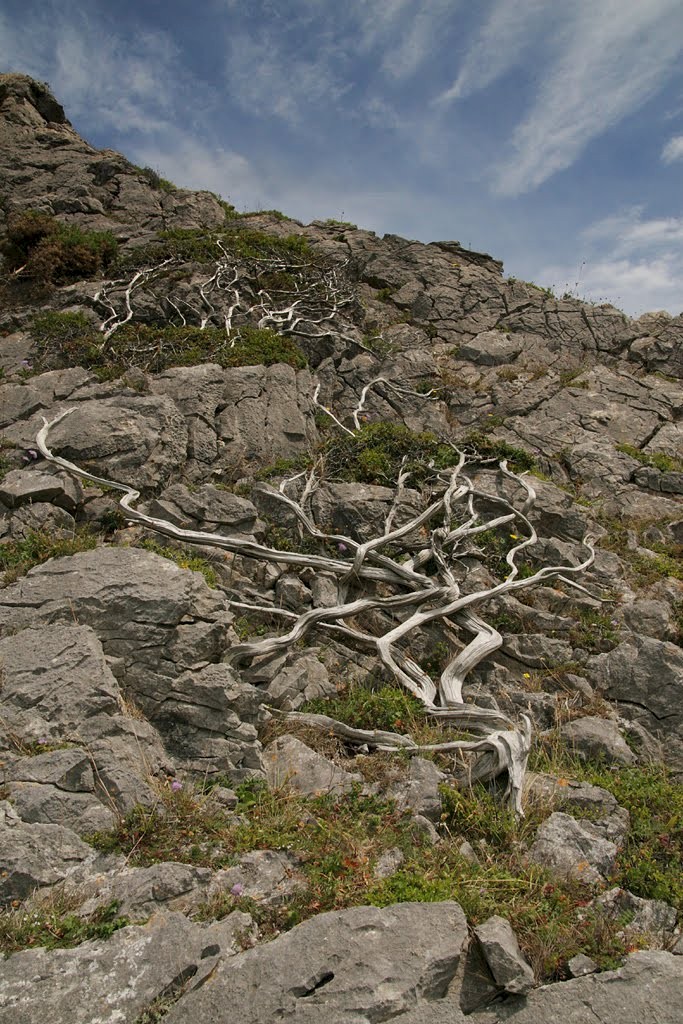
(69, 339)
(40, 247)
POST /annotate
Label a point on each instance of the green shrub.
(52, 252)
(375, 452)
(490, 448)
(18, 556)
(69, 339)
(54, 924)
(200, 246)
(651, 861)
(371, 705)
(154, 179)
(658, 460)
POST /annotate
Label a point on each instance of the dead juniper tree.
(288, 292)
(415, 572)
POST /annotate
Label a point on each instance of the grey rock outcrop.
(119, 979)
(290, 763)
(575, 849)
(343, 967)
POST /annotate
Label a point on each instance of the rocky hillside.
(366, 702)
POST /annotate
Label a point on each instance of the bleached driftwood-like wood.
(420, 585)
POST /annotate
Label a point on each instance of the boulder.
(501, 950)
(597, 739)
(574, 849)
(34, 855)
(645, 676)
(290, 763)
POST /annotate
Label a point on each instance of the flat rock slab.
(115, 980)
(648, 989)
(36, 855)
(345, 967)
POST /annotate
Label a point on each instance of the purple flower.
(342, 548)
(25, 365)
(237, 889)
(43, 740)
(176, 785)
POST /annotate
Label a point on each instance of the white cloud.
(636, 264)
(627, 231)
(673, 150)
(189, 163)
(266, 79)
(635, 285)
(99, 76)
(418, 39)
(512, 30)
(616, 56)
(595, 62)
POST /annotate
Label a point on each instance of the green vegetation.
(372, 705)
(201, 246)
(277, 214)
(69, 339)
(341, 838)
(5, 464)
(643, 568)
(284, 467)
(594, 629)
(154, 179)
(18, 556)
(658, 460)
(185, 558)
(491, 449)
(40, 247)
(347, 224)
(651, 861)
(54, 923)
(375, 453)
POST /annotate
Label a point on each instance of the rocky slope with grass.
(175, 844)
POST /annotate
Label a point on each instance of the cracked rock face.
(116, 674)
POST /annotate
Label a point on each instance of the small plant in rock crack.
(54, 921)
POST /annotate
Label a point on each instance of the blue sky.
(549, 134)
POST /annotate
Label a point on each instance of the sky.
(548, 134)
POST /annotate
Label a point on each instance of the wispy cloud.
(617, 54)
(673, 150)
(628, 231)
(512, 30)
(99, 75)
(634, 262)
(596, 61)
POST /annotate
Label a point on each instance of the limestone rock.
(573, 849)
(271, 877)
(289, 762)
(23, 486)
(35, 855)
(139, 440)
(503, 955)
(420, 791)
(341, 967)
(647, 675)
(654, 917)
(118, 978)
(596, 739)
